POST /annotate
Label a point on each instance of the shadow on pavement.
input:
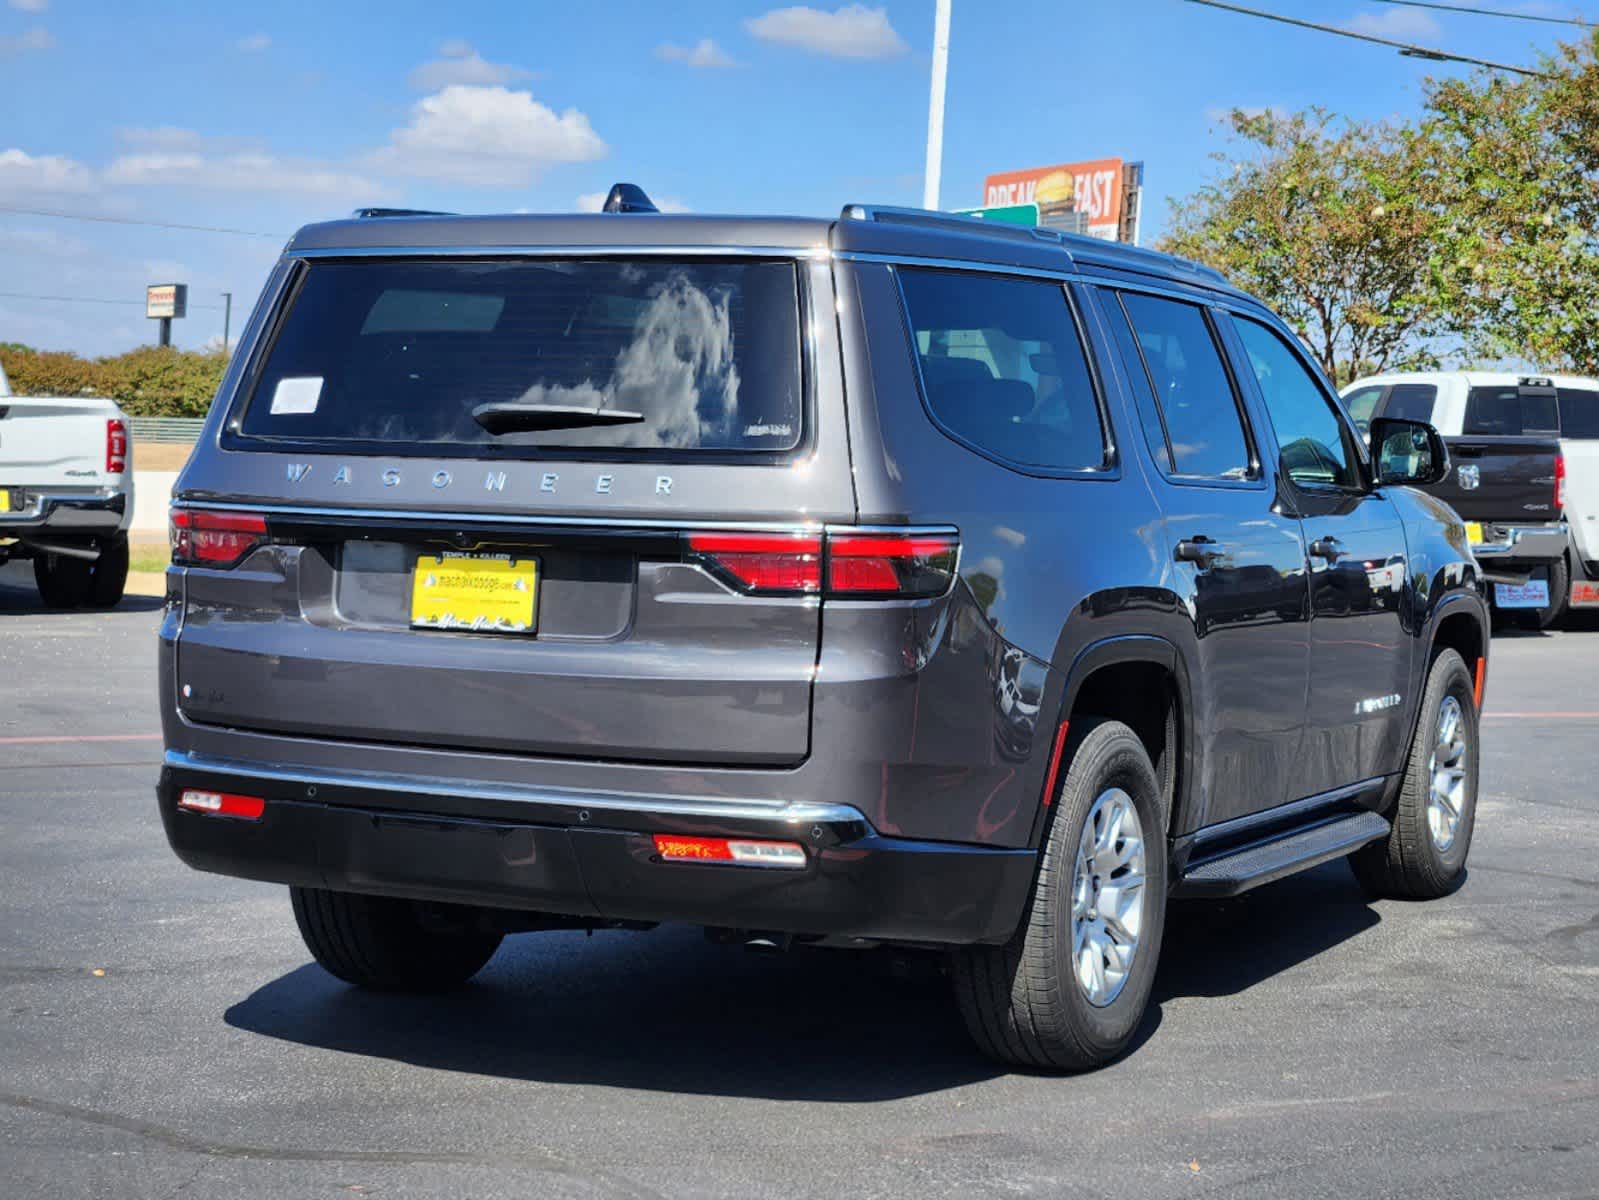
(666, 1011)
(1223, 947)
(18, 596)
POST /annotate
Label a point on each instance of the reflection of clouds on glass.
(681, 354)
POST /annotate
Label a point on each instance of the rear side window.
(487, 357)
(1004, 369)
(1361, 404)
(1198, 408)
(1579, 413)
(1410, 401)
(1506, 411)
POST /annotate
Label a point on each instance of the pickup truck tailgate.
(46, 441)
(1501, 479)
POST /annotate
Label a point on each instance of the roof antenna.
(628, 198)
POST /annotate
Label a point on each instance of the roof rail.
(957, 222)
(365, 214)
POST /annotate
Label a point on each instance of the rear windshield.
(1509, 412)
(1579, 413)
(484, 357)
(1410, 401)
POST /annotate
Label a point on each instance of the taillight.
(763, 562)
(116, 447)
(743, 852)
(1560, 483)
(214, 539)
(891, 564)
(859, 565)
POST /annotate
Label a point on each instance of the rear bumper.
(593, 856)
(1533, 542)
(67, 512)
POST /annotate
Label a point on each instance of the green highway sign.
(1010, 214)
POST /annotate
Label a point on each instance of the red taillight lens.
(1560, 483)
(222, 804)
(891, 564)
(214, 539)
(763, 562)
(116, 447)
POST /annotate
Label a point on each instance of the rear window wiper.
(512, 417)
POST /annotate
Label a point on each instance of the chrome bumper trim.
(1527, 541)
(67, 510)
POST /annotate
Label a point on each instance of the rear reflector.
(214, 539)
(891, 564)
(223, 804)
(783, 855)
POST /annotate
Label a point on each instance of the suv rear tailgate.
(640, 650)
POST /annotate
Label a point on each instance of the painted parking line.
(60, 740)
(1490, 714)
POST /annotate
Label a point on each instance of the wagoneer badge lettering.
(342, 475)
(441, 479)
(298, 471)
(391, 477)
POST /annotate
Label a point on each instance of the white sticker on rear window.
(297, 395)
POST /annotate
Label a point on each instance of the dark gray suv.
(894, 579)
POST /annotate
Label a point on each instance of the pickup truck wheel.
(110, 576)
(63, 581)
(385, 944)
(1424, 854)
(1068, 991)
(1559, 596)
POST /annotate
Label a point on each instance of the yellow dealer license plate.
(479, 593)
(5, 500)
(1474, 532)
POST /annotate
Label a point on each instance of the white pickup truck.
(66, 494)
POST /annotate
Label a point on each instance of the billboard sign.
(166, 300)
(1088, 197)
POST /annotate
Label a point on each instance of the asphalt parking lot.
(164, 1031)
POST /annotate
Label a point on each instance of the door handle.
(1328, 548)
(1201, 551)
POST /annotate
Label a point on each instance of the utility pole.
(227, 319)
(935, 107)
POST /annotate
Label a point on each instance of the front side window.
(1004, 369)
(1361, 404)
(1198, 408)
(1315, 449)
(480, 357)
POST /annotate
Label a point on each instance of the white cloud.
(163, 137)
(37, 38)
(24, 174)
(255, 43)
(241, 171)
(30, 6)
(595, 202)
(43, 241)
(1394, 23)
(488, 136)
(704, 53)
(853, 31)
(458, 62)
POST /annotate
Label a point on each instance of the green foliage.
(151, 381)
(1331, 224)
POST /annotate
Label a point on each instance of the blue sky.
(265, 117)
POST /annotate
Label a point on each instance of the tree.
(1331, 224)
(1516, 166)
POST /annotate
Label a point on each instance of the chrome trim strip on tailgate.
(413, 785)
(453, 516)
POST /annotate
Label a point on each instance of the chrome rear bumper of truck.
(98, 511)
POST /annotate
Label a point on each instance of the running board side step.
(1236, 872)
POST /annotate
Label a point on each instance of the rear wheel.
(1068, 991)
(1424, 854)
(110, 576)
(391, 945)
(1559, 576)
(63, 580)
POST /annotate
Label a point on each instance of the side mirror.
(1407, 452)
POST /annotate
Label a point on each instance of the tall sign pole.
(227, 319)
(166, 302)
(935, 107)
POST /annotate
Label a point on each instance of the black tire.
(110, 576)
(1022, 1001)
(63, 581)
(1409, 863)
(385, 944)
(1559, 596)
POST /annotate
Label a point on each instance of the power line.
(1405, 48)
(92, 300)
(1490, 12)
(71, 216)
